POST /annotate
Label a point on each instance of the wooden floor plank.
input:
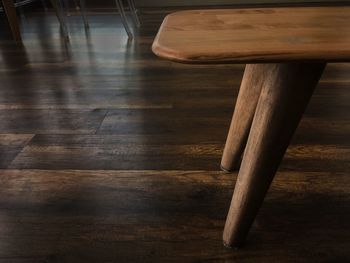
(79, 216)
(10, 146)
(51, 121)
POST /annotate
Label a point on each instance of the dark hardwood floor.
(109, 154)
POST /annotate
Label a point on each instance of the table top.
(256, 35)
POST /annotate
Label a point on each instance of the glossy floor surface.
(109, 154)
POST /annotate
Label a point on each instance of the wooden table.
(286, 51)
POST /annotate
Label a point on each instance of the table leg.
(12, 19)
(286, 91)
(247, 100)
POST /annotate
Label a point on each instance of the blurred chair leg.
(57, 5)
(43, 3)
(21, 12)
(12, 19)
(77, 7)
(120, 6)
(133, 11)
(83, 13)
(65, 7)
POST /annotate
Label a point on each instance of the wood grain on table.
(256, 35)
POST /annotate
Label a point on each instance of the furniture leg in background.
(133, 11)
(58, 7)
(84, 13)
(121, 11)
(43, 3)
(10, 12)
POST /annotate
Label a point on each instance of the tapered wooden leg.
(12, 19)
(286, 91)
(247, 100)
